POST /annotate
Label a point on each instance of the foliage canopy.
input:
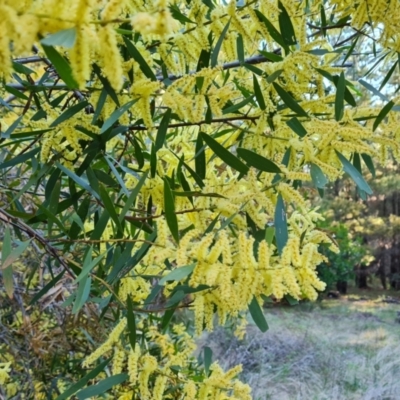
(157, 156)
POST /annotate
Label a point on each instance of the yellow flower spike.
(118, 360)
(159, 387)
(149, 365)
(133, 359)
(111, 58)
(198, 308)
(107, 345)
(190, 390)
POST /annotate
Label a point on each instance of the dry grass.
(336, 349)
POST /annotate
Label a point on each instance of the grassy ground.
(347, 348)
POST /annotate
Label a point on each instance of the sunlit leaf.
(354, 174)
(177, 274)
(65, 38)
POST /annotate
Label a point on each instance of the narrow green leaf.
(55, 196)
(7, 273)
(106, 84)
(123, 268)
(20, 159)
(318, 177)
(82, 294)
(176, 298)
(369, 163)
(138, 153)
(153, 161)
(15, 254)
(224, 154)
(21, 68)
(207, 357)
(46, 288)
(291, 300)
(339, 99)
(217, 48)
(105, 178)
(61, 65)
(281, 229)
(167, 319)
(272, 30)
(200, 158)
(81, 182)
(102, 387)
(79, 385)
(286, 26)
(69, 112)
(258, 93)
(212, 224)
(11, 128)
(131, 323)
(88, 265)
(351, 49)
(153, 294)
(273, 57)
(258, 315)
(176, 14)
(204, 60)
(65, 38)
(162, 130)
(382, 114)
(16, 92)
(116, 115)
(296, 126)
(255, 160)
(323, 18)
(274, 75)
(289, 100)
(238, 106)
(194, 175)
(111, 161)
(354, 174)
(99, 106)
(109, 206)
(357, 162)
(388, 75)
(240, 48)
(254, 69)
(169, 208)
(373, 90)
(133, 195)
(177, 274)
(134, 52)
(100, 226)
(269, 234)
(193, 193)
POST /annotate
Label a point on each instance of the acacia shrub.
(153, 155)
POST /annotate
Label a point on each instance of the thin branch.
(89, 241)
(183, 124)
(129, 218)
(32, 59)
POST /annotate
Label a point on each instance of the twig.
(183, 124)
